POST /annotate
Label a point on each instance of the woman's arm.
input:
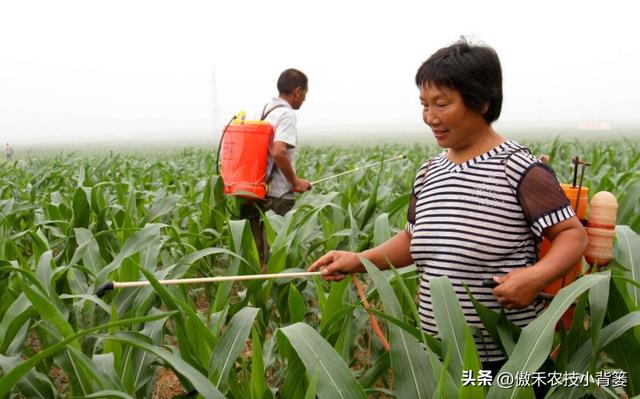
(520, 287)
(335, 265)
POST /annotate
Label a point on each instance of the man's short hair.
(473, 70)
(290, 79)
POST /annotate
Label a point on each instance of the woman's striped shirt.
(470, 222)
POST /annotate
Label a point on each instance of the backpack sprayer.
(245, 147)
(601, 230)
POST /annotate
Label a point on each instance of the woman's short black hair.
(473, 70)
(290, 79)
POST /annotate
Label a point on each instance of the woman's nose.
(430, 117)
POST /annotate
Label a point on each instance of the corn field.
(71, 222)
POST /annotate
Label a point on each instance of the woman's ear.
(485, 108)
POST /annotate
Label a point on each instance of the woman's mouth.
(440, 133)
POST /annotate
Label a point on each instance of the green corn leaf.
(536, 339)
(345, 338)
(199, 381)
(259, 387)
(450, 322)
(142, 372)
(354, 232)
(335, 380)
(507, 332)
(49, 312)
(133, 245)
(187, 346)
(15, 374)
(34, 384)
(628, 208)
(335, 301)
(313, 385)
(627, 253)
(381, 229)
(598, 301)
(378, 369)
(296, 304)
(372, 200)
(412, 371)
(44, 274)
(230, 345)
(107, 393)
(293, 385)
(471, 363)
(81, 209)
(90, 251)
(13, 319)
(160, 208)
(582, 359)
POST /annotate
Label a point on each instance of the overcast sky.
(117, 70)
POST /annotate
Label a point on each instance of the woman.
(479, 209)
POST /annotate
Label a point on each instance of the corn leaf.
(412, 371)
(627, 253)
(199, 381)
(34, 384)
(335, 380)
(450, 322)
(228, 348)
(536, 339)
(583, 357)
(15, 374)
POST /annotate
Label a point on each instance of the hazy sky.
(117, 70)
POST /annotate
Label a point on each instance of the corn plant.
(71, 222)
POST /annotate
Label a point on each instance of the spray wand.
(357, 169)
(112, 285)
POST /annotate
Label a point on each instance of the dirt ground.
(167, 385)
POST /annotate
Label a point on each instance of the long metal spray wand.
(111, 285)
(313, 183)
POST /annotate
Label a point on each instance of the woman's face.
(453, 124)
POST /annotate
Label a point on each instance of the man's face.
(299, 95)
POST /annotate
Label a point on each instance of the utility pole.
(216, 105)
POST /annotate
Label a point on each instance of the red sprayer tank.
(245, 147)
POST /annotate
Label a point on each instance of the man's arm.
(282, 161)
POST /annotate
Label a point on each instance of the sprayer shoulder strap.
(426, 170)
(265, 113)
(506, 160)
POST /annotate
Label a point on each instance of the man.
(292, 89)
(8, 151)
(282, 179)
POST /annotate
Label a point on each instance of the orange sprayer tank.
(572, 195)
(245, 147)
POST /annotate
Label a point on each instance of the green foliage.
(69, 223)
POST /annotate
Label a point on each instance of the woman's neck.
(478, 145)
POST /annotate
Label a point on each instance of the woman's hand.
(335, 265)
(517, 289)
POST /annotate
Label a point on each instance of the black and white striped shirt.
(470, 222)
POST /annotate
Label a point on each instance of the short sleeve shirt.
(479, 219)
(283, 120)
